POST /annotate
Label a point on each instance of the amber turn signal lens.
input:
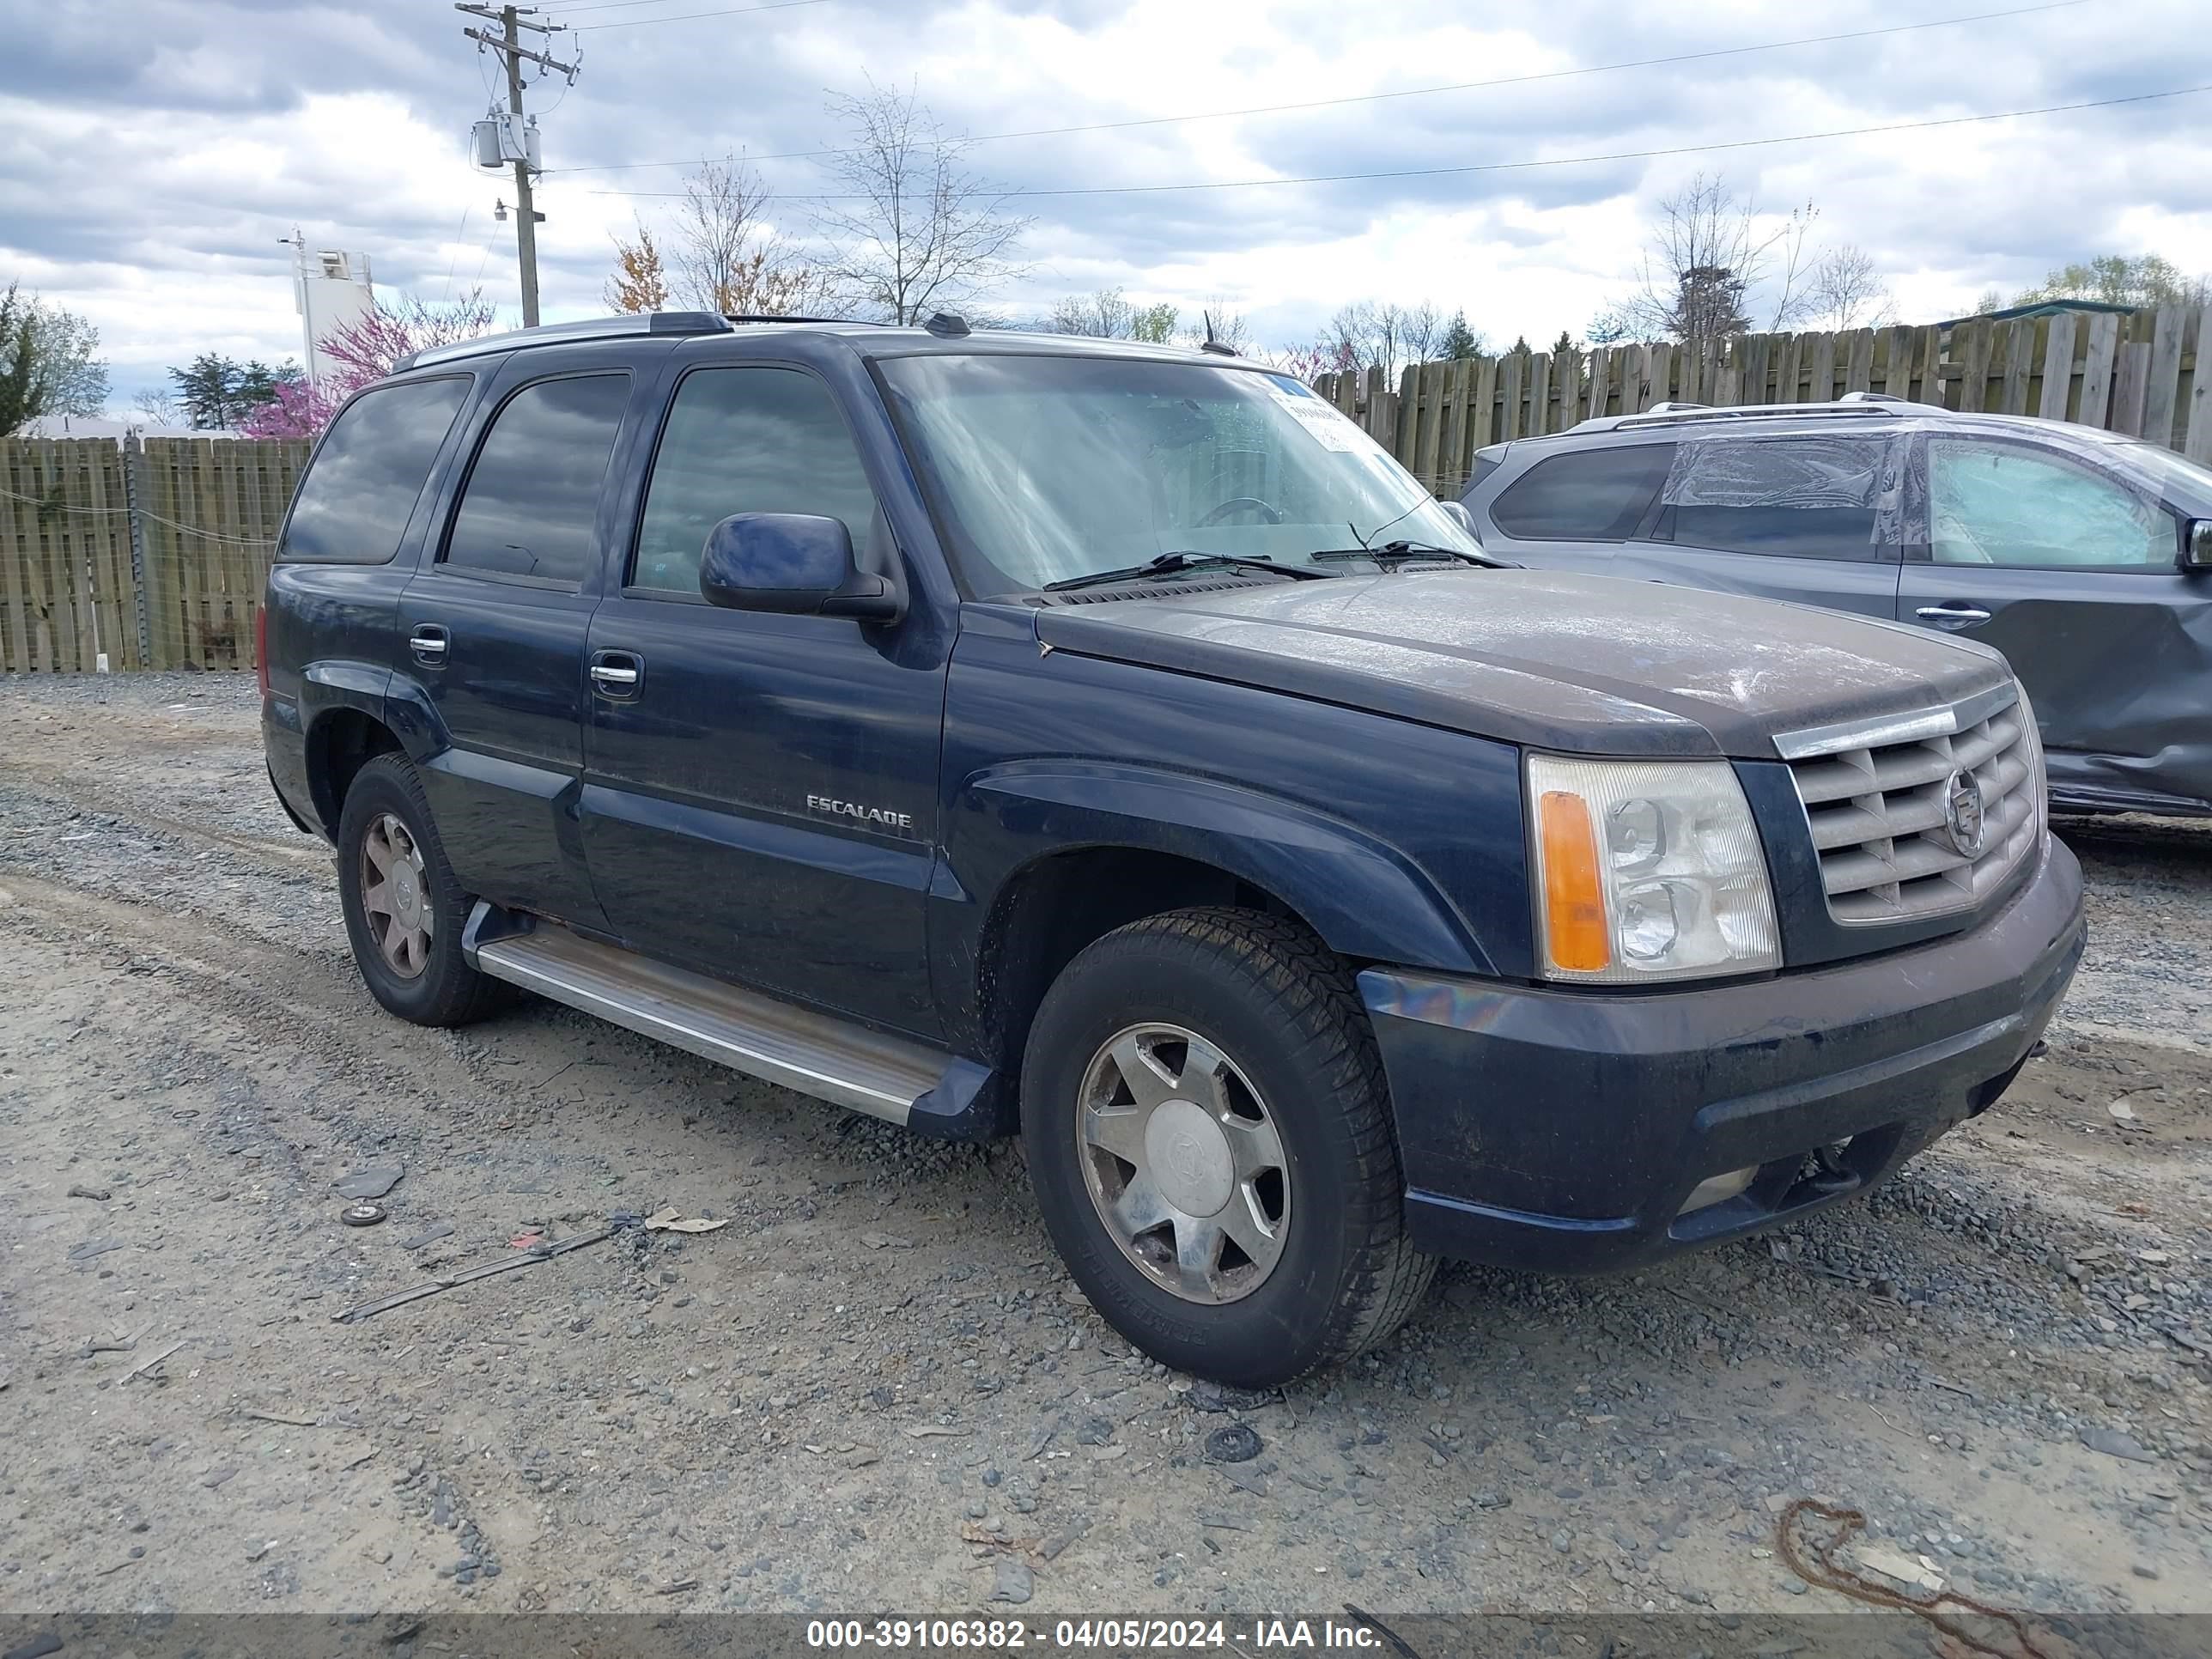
(1574, 902)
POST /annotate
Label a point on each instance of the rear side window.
(745, 440)
(531, 506)
(1593, 495)
(1803, 498)
(354, 502)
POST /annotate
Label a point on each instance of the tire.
(1276, 1005)
(442, 989)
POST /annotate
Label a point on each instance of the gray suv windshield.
(1048, 467)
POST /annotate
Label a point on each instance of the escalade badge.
(1962, 814)
(881, 817)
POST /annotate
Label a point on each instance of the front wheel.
(1208, 1132)
(404, 909)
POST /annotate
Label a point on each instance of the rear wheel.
(404, 909)
(1208, 1133)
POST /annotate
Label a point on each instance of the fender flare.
(1364, 897)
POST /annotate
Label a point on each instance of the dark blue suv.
(1004, 734)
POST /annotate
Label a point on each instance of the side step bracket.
(891, 1077)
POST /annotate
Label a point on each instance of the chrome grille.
(1877, 799)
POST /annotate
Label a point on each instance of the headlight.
(1648, 870)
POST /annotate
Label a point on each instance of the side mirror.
(1457, 512)
(795, 563)
(2196, 545)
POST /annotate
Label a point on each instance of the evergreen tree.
(1460, 341)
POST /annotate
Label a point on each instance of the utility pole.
(507, 43)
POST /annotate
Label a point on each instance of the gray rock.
(2113, 1444)
(1015, 1582)
(373, 1182)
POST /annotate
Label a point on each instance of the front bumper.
(1562, 1132)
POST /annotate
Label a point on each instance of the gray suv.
(2084, 556)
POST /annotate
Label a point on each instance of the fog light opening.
(1715, 1188)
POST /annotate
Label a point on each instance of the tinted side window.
(368, 475)
(531, 503)
(745, 440)
(1596, 495)
(1808, 498)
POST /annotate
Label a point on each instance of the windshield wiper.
(1168, 563)
(1397, 552)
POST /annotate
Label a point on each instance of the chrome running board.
(815, 1054)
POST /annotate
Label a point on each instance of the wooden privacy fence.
(2135, 373)
(152, 555)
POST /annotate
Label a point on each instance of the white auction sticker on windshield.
(1328, 425)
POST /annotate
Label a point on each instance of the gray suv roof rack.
(1878, 405)
(591, 328)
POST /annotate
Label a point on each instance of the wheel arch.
(341, 740)
(1120, 844)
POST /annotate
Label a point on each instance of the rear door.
(1571, 510)
(2073, 572)
(1814, 518)
(492, 629)
(761, 790)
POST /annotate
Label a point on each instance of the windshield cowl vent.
(1142, 591)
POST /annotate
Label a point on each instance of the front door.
(492, 631)
(2074, 575)
(760, 798)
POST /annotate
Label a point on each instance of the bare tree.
(1422, 327)
(159, 405)
(1223, 324)
(920, 232)
(1372, 334)
(1110, 314)
(1844, 290)
(1711, 257)
(726, 254)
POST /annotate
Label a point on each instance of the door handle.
(617, 674)
(429, 643)
(1952, 616)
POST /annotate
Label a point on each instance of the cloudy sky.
(152, 152)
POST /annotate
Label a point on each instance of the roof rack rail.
(591, 328)
(764, 316)
(1879, 406)
(1672, 407)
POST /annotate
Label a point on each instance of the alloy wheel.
(395, 896)
(1184, 1163)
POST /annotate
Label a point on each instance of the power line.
(1515, 167)
(693, 17)
(600, 5)
(1374, 97)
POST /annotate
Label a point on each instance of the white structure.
(103, 426)
(329, 289)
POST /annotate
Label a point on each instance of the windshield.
(2182, 482)
(1048, 467)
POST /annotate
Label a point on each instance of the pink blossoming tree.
(366, 351)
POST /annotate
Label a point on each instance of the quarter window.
(1593, 495)
(2000, 504)
(745, 440)
(532, 504)
(368, 472)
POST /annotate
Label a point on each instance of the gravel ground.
(875, 1387)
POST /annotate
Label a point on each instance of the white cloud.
(146, 174)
